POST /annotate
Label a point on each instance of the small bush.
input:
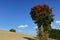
(12, 30)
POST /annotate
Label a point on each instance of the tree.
(55, 34)
(42, 16)
(12, 30)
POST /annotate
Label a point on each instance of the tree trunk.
(42, 35)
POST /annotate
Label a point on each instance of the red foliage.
(45, 8)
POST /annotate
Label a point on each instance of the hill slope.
(4, 35)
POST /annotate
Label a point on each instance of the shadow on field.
(28, 38)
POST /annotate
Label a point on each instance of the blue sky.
(16, 14)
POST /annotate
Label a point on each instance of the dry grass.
(4, 35)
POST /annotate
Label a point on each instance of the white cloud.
(35, 27)
(58, 22)
(53, 27)
(22, 26)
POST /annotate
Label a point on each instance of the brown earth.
(5, 35)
